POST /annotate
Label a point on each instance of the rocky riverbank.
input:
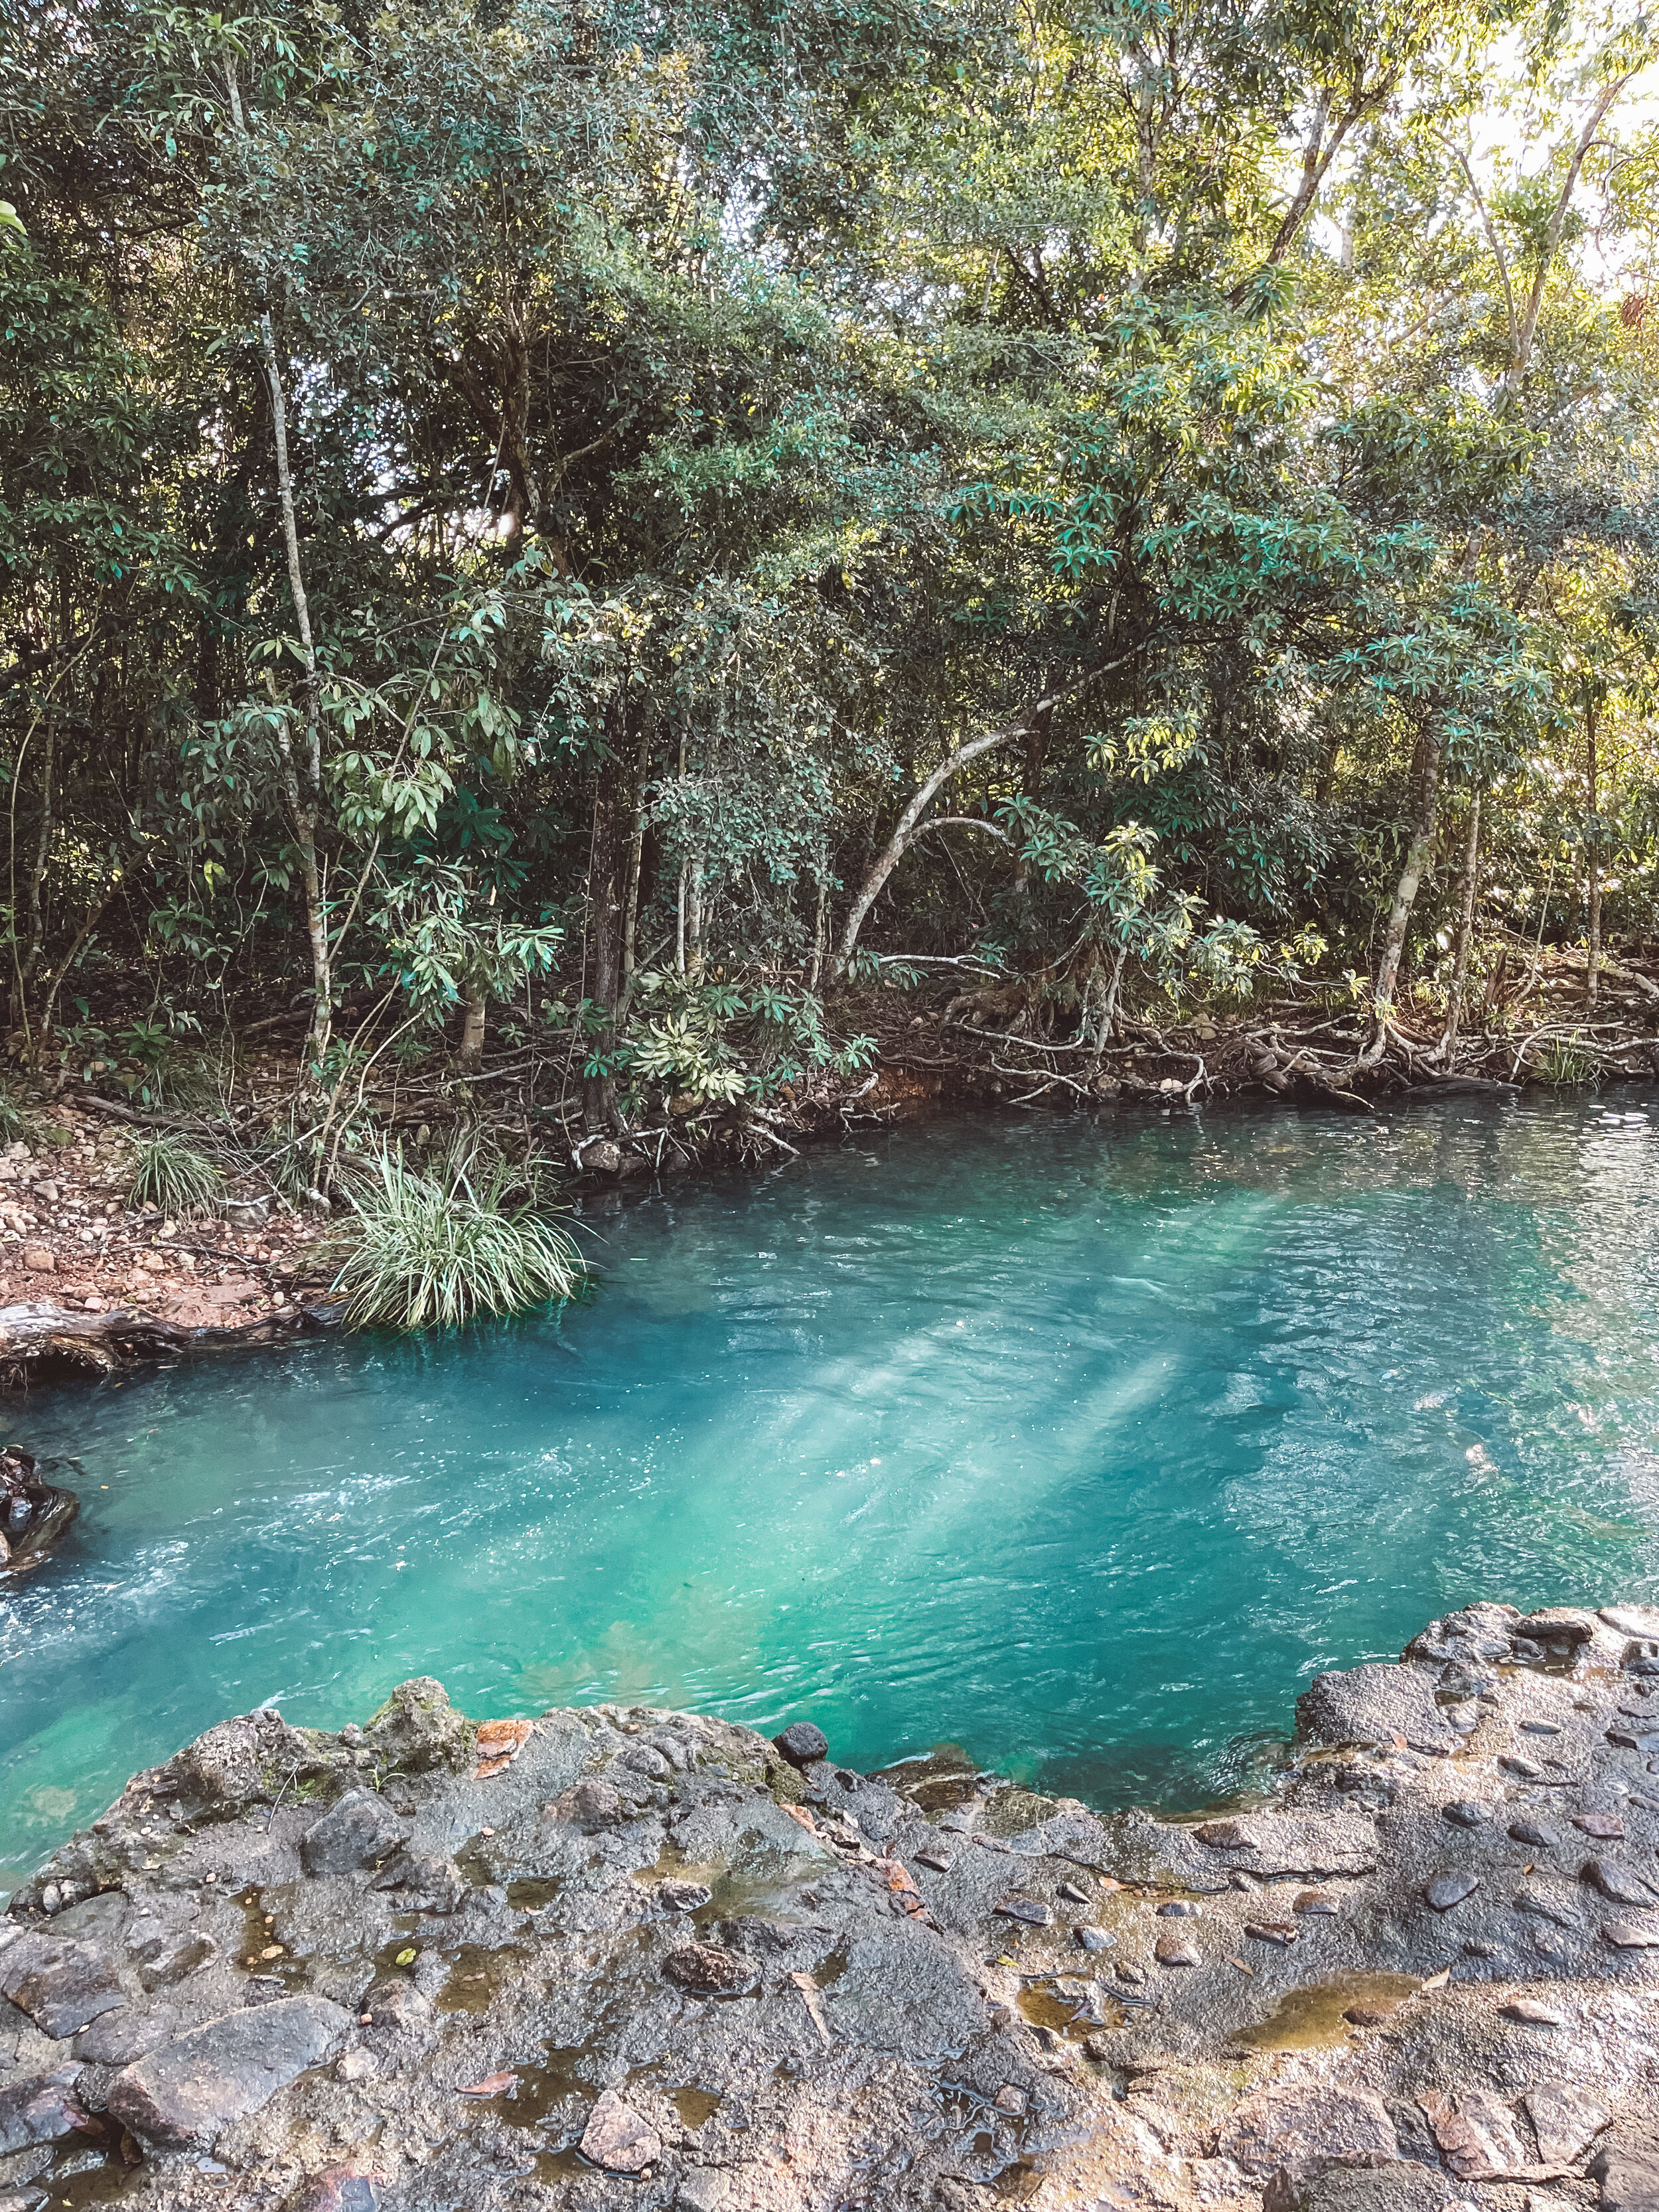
(618, 1957)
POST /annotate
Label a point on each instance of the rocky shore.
(618, 1957)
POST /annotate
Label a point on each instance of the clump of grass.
(1569, 1064)
(432, 1249)
(175, 1176)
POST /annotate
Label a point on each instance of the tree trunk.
(302, 792)
(1465, 928)
(1592, 862)
(694, 914)
(39, 865)
(473, 1009)
(604, 901)
(1404, 897)
(636, 863)
(898, 844)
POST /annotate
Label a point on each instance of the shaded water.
(1084, 1444)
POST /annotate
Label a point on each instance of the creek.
(1083, 1444)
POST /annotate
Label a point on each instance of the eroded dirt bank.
(618, 1957)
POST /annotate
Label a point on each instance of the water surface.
(1083, 1444)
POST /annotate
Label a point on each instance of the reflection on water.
(1082, 1444)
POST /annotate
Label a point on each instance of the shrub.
(436, 1249)
(174, 1175)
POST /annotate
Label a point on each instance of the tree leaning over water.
(634, 517)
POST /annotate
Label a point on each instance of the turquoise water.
(1081, 1445)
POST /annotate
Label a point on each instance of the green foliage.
(440, 1246)
(175, 1176)
(1567, 1064)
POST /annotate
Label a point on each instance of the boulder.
(803, 1744)
(359, 1830)
(417, 1728)
(183, 2094)
(40, 2109)
(62, 1986)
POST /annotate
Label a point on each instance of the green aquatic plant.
(436, 1248)
(174, 1175)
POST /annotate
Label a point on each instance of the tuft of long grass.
(434, 1249)
(1569, 1064)
(15, 1119)
(174, 1175)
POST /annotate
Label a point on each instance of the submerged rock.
(647, 1959)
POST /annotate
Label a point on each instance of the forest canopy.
(557, 516)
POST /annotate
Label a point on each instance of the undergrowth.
(174, 1175)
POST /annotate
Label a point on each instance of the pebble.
(1477, 1949)
(1179, 1908)
(1527, 1769)
(1465, 1813)
(1447, 1890)
(1031, 1910)
(1094, 1939)
(1318, 1902)
(940, 1861)
(1535, 2014)
(1072, 1894)
(1540, 1728)
(1010, 2100)
(1282, 1932)
(1529, 1832)
(1175, 1951)
(803, 1744)
(1133, 1975)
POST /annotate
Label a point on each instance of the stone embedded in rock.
(1628, 1936)
(1627, 2169)
(1071, 1893)
(395, 2003)
(1281, 1932)
(1449, 1889)
(1094, 1939)
(595, 1804)
(1179, 1908)
(40, 2109)
(708, 1971)
(1372, 1704)
(1567, 2121)
(1225, 1835)
(355, 1832)
(1477, 2132)
(940, 1861)
(1533, 2013)
(1031, 1910)
(616, 2138)
(1618, 1884)
(1557, 1624)
(1528, 1770)
(183, 2094)
(803, 1744)
(1318, 1902)
(184, 1954)
(1531, 1832)
(62, 1985)
(1175, 1951)
(1464, 1813)
(683, 1896)
(116, 2038)
(1605, 1827)
(1305, 2127)
(1540, 1728)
